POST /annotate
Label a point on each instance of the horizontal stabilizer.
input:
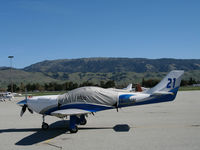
(162, 93)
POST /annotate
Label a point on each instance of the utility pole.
(11, 83)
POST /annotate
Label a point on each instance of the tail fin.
(169, 84)
(129, 87)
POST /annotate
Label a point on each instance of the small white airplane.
(6, 95)
(87, 100)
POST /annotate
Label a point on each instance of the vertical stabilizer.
(129, 87)
(170, 83)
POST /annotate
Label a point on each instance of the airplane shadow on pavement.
(56, 129)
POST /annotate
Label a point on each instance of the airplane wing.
(69, 112)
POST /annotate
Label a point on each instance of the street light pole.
(11, 83)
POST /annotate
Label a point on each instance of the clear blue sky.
(37, 30)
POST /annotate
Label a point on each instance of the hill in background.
(20, 76)
(105, 65)
(121, 70)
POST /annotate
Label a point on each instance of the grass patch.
(45, 93)
(189, 88)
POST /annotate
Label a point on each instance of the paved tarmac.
(165, 126)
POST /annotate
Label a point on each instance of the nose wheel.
(45, 126)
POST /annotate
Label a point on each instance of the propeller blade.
(21, 113)
(23, 110)
(30, 110)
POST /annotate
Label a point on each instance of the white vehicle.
(9, 95)
(85, 100)
(2, 98)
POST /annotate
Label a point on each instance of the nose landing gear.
(45, 126)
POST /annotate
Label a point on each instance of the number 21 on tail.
(171, 83)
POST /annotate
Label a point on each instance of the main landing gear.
(74, 121)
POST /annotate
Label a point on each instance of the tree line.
(54, 86)
(151, 83)
(67, 86)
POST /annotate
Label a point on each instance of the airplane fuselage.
(47, 104)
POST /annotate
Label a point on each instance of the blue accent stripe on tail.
(160, 99)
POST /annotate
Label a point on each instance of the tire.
(83, 122)
(74, 130)
(45, 126)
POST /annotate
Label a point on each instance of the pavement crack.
(195, 125)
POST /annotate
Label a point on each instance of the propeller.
(23, 110)
(24, 106)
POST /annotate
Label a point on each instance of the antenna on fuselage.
(116, 106)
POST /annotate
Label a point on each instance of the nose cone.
(22, 103)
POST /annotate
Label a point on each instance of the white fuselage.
(40, 104)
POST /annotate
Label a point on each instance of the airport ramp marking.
(47, 142)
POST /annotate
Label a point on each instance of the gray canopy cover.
(94, 95)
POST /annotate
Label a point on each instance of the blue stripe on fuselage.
(160, 98)
(125, 96)
(124, 99)
(83, 106)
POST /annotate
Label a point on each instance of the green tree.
(109, 84)
(22, 87)
(15, 88)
